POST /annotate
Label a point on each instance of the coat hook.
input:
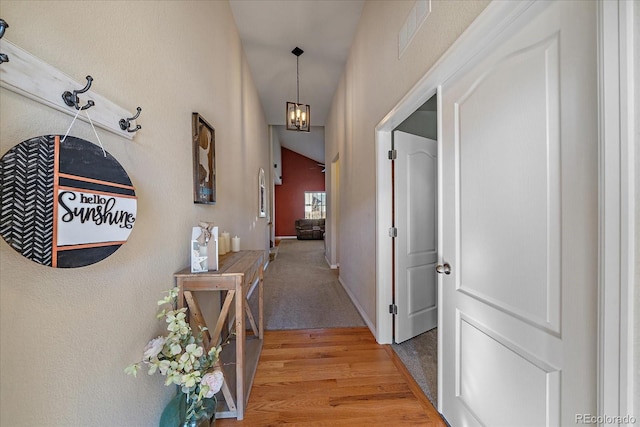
(125, 124)
(3, 26)
(72, 100)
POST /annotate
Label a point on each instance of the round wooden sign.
(64, 204)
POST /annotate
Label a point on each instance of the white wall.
(372, 84)
(309, 144)
(67, 335)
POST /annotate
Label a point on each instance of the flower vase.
(202, 422)
(173, 414)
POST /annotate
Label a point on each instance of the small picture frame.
(262, 195)
(204, 161)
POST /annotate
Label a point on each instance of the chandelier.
(298, 115)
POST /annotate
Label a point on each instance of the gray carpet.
(302, 292)
(420, 356)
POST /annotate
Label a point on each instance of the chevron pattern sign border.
(35, 170)
(26, 198)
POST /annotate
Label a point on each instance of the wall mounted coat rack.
(125, 124)
(33, 78)
(72, 99)
(3, 26)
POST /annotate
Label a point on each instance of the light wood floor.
(333, 377)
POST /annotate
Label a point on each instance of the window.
(315, 205)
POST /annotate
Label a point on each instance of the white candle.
(224, 243)
(227, 243)
(235, 244)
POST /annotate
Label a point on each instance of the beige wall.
(372, 84)
(67, 335)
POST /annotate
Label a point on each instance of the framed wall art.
(204, 161)
(262, 195)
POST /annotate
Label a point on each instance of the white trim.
(333, 212)
(616, 208)
(628, 232)
(440, 394)
(616, 177)
(384, 248)
(331, 266)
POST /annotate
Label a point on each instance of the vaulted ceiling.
(270, 30)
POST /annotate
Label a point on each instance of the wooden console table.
(237, 276)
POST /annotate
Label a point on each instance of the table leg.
(260, 303)
(240, 333)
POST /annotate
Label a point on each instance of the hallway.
(302, 292)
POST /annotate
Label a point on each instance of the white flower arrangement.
(181, 357)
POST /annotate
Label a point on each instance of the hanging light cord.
(298, 79)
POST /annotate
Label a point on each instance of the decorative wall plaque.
(204, 161)
(64, 204)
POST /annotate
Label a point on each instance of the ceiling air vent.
(418, 14)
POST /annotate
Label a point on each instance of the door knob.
(443, 269)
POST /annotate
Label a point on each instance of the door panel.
(509, 185)
(415, 189)
(484, 357)
(519, 159)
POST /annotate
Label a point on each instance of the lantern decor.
(298, 115)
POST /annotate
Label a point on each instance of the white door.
(519, 225)
(416, 253)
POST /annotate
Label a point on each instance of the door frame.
(616, 216)
(331, 251)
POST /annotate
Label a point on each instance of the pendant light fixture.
(298, 115)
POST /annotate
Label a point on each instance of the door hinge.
(393, 309)
(393, 232)
(393, 154)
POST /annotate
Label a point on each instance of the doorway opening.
(331, 251)
(415, 253)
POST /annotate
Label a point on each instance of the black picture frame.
(262, 195)
(204, 161)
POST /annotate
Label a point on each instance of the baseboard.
(368, 322)
(286, 237)
(331, 266)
